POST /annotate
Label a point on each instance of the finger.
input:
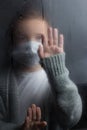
(38, 114)
(55, 36)
(50, 36)
(33, 112)
(27, 122)
(61, 41)
(40, 124)
(29, 113)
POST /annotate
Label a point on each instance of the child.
(37, 77)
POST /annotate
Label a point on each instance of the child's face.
(31, 29)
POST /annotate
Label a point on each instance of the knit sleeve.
(68, 104)
(5, 124)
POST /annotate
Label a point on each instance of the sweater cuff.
(55, 64)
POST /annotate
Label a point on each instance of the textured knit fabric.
(61, 108)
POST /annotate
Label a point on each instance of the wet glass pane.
(27, 21)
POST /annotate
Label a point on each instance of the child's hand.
(54, 44)
(33, 119)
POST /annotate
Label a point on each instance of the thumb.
(41, 51)
(41, 124)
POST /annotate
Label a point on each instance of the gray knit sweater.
(63, 107)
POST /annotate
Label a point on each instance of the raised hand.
(53, 46)
(33, 119)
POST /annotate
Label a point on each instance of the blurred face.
(31, 29)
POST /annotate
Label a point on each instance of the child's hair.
(31, 9)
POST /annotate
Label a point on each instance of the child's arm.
(68, 101)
